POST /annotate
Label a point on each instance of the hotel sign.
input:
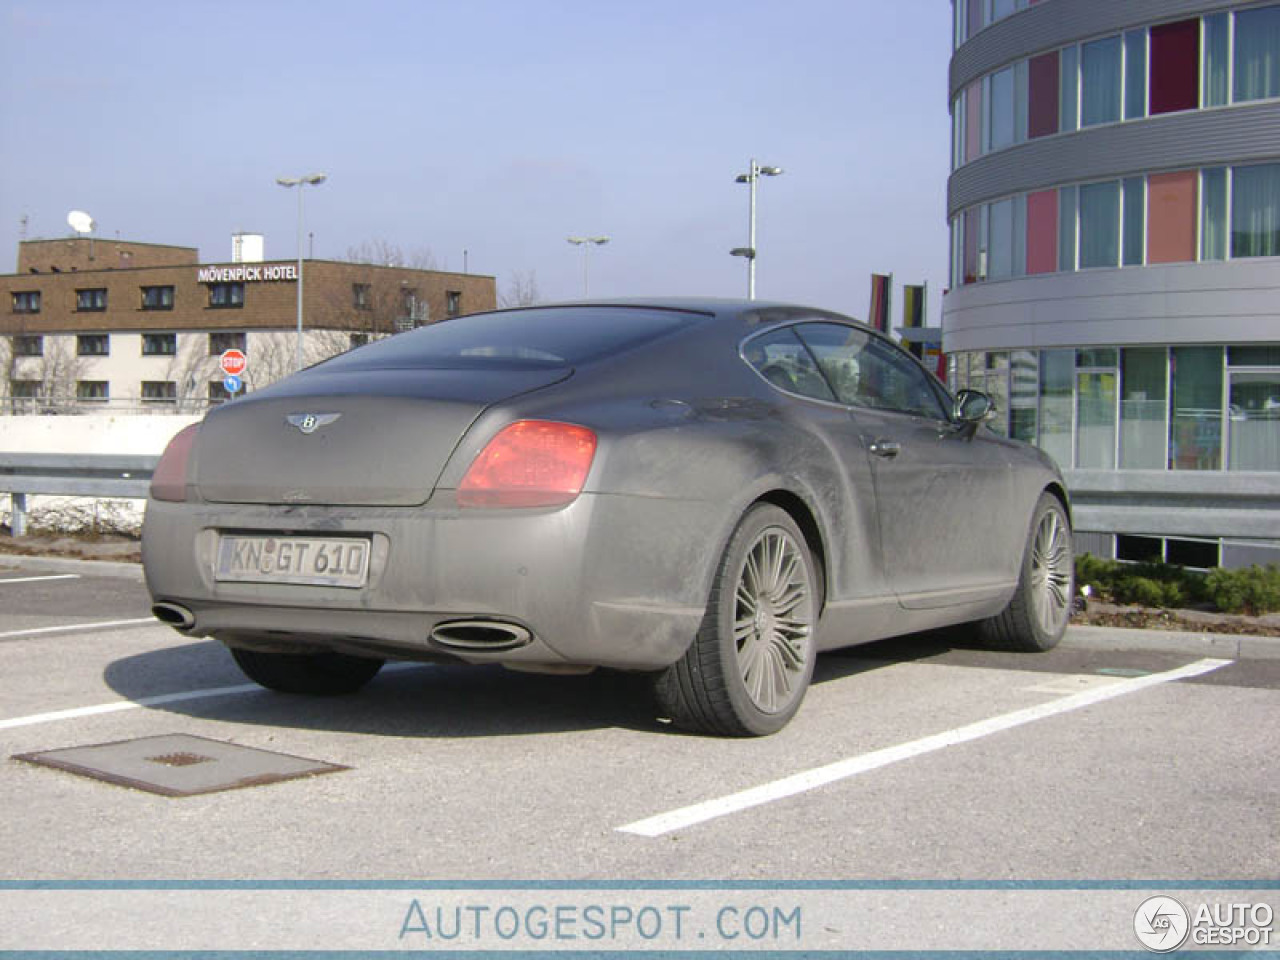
(248, 273)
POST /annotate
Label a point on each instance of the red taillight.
(530, 463)
(169, 482)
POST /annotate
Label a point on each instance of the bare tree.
(8, 371)
(521, 290)
(383, 253)
(59, 370)
(191, 369)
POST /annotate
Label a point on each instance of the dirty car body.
(711, 491)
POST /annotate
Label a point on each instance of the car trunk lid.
(353, 437)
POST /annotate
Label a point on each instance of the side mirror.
(973, 406)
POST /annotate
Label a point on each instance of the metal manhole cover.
(179, 765)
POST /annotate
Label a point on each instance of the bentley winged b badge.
(311, 422)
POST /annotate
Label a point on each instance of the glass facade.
(1136, 408)
(1235, 211)
(1189, 64)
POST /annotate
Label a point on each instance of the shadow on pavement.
(448, 701)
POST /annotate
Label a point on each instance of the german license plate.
(314, 561)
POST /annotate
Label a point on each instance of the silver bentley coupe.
(708, 491)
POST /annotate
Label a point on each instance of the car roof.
(719, 307)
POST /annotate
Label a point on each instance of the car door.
(942, 492)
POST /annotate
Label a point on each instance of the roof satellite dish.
(80, 221)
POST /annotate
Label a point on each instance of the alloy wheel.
(773, 621)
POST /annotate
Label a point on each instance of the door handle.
(885, 448)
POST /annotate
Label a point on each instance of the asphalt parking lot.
(1111, 757)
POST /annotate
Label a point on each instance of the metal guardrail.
(1240, 505)
(126, 476)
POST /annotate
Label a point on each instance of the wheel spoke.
(773, 620)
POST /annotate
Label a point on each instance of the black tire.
(327, 674)
(746, 672)
(1037, 615)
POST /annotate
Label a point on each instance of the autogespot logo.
(1161, 924)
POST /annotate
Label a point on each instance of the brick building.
(89, 324)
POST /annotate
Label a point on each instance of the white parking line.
(76, 713)
(119, 705)
(72, 627)
(807, 780)
(52, 576)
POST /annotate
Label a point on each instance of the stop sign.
(233, 362)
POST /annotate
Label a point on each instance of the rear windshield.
(535, 337)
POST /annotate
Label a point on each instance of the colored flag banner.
(881, 297)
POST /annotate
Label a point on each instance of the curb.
(1224, 645)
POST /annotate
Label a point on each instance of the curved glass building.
(1114, 206)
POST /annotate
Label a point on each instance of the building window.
(25, 345)
(1195, 427)
(1024, 388)
(972, 225)
(1135, 74)
(25, 389)
(1132, 227)
(26, 301)
(226, 295)
(453, 303)
(1175, 66)
(1255, 211)
(93, 345)
(1217, 59)
(1006, 238)
(1100, 81)
(1057, 372)
(159, 391)
(1171, 217)
(1042, 231)
(1253, 408)
(224, 340)
(1143, 385)
(360, 296)
(1069, 88)
(1042, 81)
(91, 300)
(1067, 202)
(1001, 131)
(93, 391)
(973, 121)
(1136, 549)
(1100, 225)
(159, 344)
(1257, 54)
(157, 298)
(1213, 213)
(1096, 394)
(218, 393)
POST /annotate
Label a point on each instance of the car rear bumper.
(613, 581)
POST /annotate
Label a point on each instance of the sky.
(498, 128)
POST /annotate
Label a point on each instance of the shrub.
(1148, 584)
(1251, 590)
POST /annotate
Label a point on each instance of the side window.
(869, 372)
(782, 359)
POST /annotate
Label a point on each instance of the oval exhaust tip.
(481, 635)
(175, 615)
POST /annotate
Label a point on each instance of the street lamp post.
(586, 244)
(749, 251)
(314, 179)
